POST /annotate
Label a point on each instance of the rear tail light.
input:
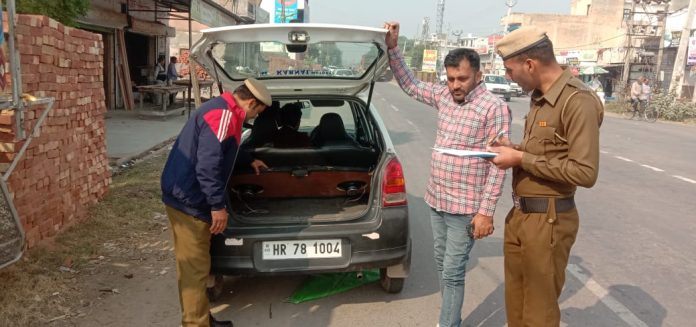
(393, 185)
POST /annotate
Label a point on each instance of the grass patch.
(616, 106)
(45, 286)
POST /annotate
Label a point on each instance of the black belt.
(541, 205)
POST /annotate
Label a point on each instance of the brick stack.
(65, 168)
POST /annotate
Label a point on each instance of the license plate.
(301, 249)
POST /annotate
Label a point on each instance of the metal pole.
(282, 13)
(509, 4)
(660, 50)
(629, 46)
(16, 71)
(678, 72)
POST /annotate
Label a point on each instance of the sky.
(479, 17)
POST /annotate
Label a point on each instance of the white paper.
(466, 153)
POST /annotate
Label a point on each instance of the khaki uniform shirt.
(561, 146)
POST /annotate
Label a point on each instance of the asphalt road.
(632, 264)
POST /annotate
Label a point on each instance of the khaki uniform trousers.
(192, 251)
(536, 249)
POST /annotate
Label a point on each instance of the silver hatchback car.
(334, 198)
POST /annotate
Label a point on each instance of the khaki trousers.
(536, 249)
(192, 251)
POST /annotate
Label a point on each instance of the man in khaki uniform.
(559, 152)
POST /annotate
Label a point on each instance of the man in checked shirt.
(462, 191)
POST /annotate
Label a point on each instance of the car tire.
(507, 98)
(215, 292)
(390, 285)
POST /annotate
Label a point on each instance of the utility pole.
(440, 18)
(629, 45)
(509, 4)
(494, 56)
(662, 20)
(282, 13)
(678, 72)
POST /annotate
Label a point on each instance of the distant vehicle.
(498, 85)
(331, 69)
(337, 205)
(343, 72)
(516, 89)
(443, 77)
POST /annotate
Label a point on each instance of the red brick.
(7, 119)
(72, 129)
(47, 59)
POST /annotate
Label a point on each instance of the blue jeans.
(453, 238)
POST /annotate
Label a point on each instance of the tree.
(326, 54)
(64, 11)
(416, 53)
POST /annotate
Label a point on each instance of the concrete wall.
(65, 168)
(602, 28)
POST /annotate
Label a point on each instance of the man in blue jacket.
(193, 188)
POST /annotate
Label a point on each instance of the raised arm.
(427, 93)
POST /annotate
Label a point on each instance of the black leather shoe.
(218, 323)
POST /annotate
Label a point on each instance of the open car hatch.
(295, 58)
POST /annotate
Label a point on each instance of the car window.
(496, 79)
(266, 60)
(311, 115)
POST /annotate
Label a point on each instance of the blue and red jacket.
(202, 159)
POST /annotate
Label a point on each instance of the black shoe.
(218, 323)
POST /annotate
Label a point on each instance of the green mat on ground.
(319, 286)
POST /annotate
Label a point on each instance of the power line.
(593, 43)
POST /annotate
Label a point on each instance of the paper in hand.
(466, 153)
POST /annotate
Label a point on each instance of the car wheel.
(390, 285)
(507, 98)
(215, 292)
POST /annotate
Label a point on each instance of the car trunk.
(325, 69)
(331, 183)
(331, 178)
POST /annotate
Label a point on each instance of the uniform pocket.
(551, 141)
(546, 135)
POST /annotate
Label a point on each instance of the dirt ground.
(119, 260)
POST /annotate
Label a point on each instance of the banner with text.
(285, 11)
(429, 60)
(691, 58)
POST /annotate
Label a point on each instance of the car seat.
(265, 127)
(331, 131)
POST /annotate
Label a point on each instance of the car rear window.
(311, 114)
(496, 79)
(266, 60)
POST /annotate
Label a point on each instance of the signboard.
(691, 58)
(429, 60)
(676, 37)
(588, 55)
(290, 9)
(572, 61)
(493, 39)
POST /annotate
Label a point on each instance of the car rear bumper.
(387, 245)
(254, 265)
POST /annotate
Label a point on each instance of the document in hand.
(466, 153)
